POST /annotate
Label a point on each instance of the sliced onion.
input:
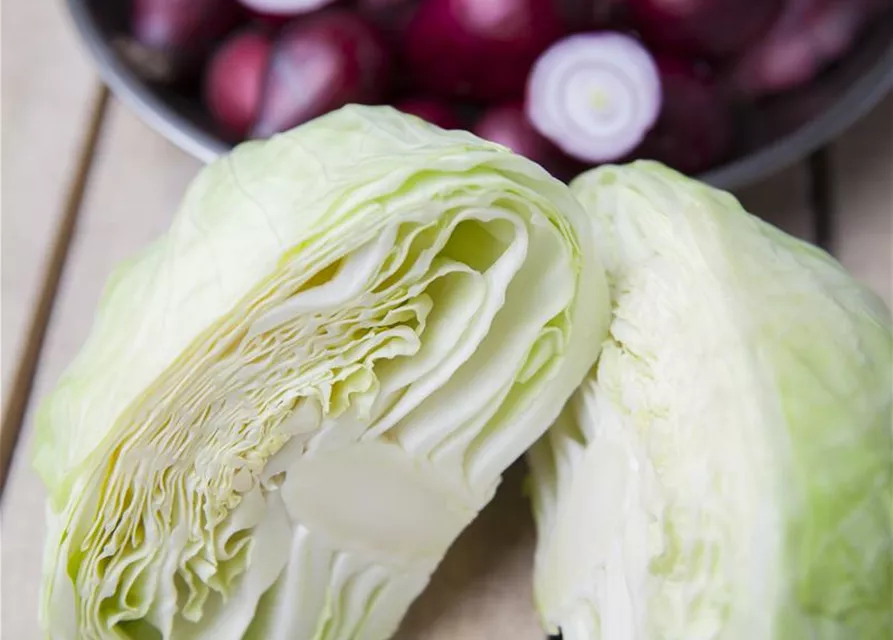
(595, 95)
(285, 7)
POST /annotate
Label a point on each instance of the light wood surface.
(48, 90)
(136, 182)
(50, 96)
(482, 590)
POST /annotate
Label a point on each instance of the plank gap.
(23, 381)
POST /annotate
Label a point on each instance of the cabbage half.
(293, 402)
(725, 470)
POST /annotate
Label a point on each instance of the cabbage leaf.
(725, 470)
(293, 402)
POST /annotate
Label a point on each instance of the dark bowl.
(769, 136)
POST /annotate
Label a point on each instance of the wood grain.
(50, 97)
(135, 186)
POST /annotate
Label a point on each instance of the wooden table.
(85, 184)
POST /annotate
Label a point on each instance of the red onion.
(320, 64)
(508, 125)
(713, 28)
(257, 87)
(171, 37)
(391, 16)
(284, 7)
(587, 15)
(594, 95)
(808, 35)
(694, 129)
(234, 81)
(479, 49)
(434, 111)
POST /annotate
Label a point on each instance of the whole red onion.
(320, 64)
(434, 111)
(234, 81)
(170, 38)
(480, 50)
(695, 126)
(507, 125)
(807, 36)
(257, 87)
(711, 28)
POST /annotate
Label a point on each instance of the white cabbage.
(293, 402)
(725, 470)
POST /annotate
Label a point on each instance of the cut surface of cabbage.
(725, 470)
(293, 402)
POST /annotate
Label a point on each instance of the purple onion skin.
(391, 16)
(589, 15)
(694, 130)
(714, 29)
(321, 63)
(187, 28)
(807, 36)
(480, 50)
(434, 111)
(508, 125)
(170, 39)
(269, 20)
(234, 80)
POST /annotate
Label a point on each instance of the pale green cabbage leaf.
(725, 470)
(293, 402)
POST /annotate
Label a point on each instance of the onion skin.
(320, 64)
(479, 50)
(806, 37)
(508, 125)
(710, 28)
(694, 130)
(434, 111)
(256, 86)
(234, 81)
(169, 39)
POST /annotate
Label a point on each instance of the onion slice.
(285, 7)
(595, 95)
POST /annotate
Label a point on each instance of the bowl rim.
(854, 103)
(136, 93)
(863, 95)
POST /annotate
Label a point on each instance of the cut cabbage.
(725, 470)
(292, 403)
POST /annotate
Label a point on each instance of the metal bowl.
(769, 136)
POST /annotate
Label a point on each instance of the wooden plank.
(483, 589)
(17, 394)
(49, 96)
(862, 170)
(137, 181)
